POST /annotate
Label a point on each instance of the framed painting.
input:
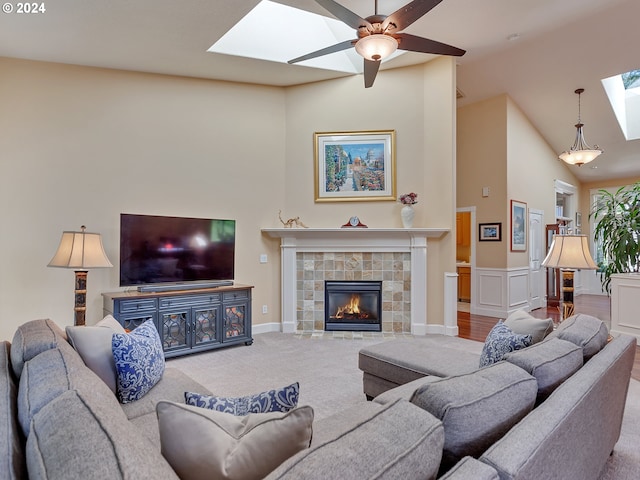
(518, 226)
(355, 166)
(490, 232)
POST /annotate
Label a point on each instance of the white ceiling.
(563, 45)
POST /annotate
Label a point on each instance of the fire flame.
(352, 308)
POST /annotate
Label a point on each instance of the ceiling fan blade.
(344, 14)
(370, 71)
(338, 47)
(408, 14)
(424, 45)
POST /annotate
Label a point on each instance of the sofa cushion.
(551, 363)
(12, 441)
(52, 373)
(523, 323)
(139, 360)
(500, 341)
(201, 444)
(469, 467)
(276, 400)
(589, 333)
(171, 388)
(94, 346)
(75, 437)
(478, 408)
(32, 338)
(397, 441)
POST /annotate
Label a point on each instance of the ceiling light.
(580, 153)
(376, 47)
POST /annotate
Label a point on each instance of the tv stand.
(172, 287)
(188, 321)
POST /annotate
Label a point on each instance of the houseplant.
(617, 232)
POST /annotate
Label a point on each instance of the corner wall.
(81, 145)
(416, 102)
(499, 148)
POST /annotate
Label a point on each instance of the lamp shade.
(570, 251)
(376, 47)
(80, 250)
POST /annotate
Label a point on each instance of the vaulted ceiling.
(537, 52)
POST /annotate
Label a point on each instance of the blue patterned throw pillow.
(139, 361)
(500, 341)
(278, 400)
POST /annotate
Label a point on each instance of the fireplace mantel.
(412, 240)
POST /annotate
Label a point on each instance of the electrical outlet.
(265, 309)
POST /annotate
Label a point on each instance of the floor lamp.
(568, 253)
(80, 251)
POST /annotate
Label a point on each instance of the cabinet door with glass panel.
(237, 317)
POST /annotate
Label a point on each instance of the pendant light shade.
(580, 153)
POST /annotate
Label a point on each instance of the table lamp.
(80, 251)
(569, 253)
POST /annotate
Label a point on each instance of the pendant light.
(580, 153)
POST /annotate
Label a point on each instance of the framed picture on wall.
(518, 226)
(490, 232)
(355, 166)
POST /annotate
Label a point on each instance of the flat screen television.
(157, 250)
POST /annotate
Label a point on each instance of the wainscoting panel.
(501, 291)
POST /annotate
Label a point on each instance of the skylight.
(623, 91)
(278, 33)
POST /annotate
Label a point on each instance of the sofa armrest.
(582, 416)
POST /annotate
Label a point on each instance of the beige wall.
(482, 162)
(416, 102)
(81, 145)
(499, 148)
(532, 167)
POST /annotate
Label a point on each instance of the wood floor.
(476, 327)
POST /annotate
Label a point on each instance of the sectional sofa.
(63, 421)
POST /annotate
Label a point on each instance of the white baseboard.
(266, 328)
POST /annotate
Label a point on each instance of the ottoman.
(395, 362)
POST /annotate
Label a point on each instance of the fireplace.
(353, 305)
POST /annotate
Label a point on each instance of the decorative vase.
(407, 213)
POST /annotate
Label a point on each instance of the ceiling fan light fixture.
(580, 153)
(376, 47)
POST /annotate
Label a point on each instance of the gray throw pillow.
(523, 323)
(93, 344)
(202, 444)
(588, 332)
(478, 408)
(550, 362)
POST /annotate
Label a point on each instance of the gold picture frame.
(355, 166)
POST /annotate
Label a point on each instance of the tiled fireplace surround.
(393, 268)
(398, 257)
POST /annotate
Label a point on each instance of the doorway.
(465, 257)
(537, 252)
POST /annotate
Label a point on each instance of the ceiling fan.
(379, 35)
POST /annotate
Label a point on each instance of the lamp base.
(81, 297)
(566, 307)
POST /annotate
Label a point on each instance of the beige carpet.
(327, 369)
